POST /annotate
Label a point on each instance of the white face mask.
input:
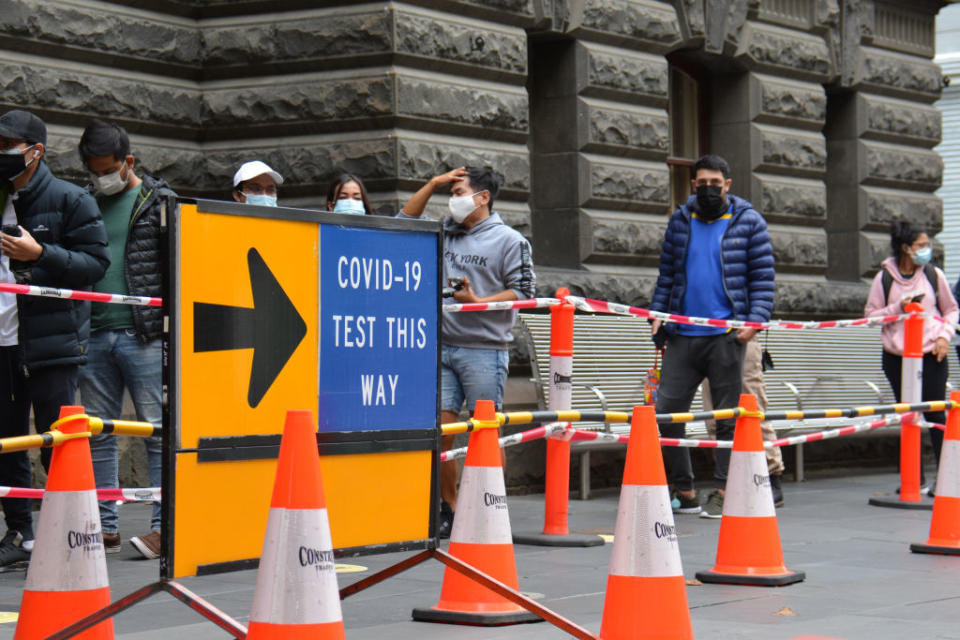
(461, 207)
(111, 183)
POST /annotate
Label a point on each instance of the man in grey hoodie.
(495, 264)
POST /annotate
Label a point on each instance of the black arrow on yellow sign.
(272, 328)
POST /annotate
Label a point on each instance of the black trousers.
(933, 387)
(51, 388)
(15, 421)
(686, 362)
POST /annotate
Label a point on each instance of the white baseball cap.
(253, 169)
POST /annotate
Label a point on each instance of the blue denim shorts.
(471, 375)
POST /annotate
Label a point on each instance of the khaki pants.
(752, 383)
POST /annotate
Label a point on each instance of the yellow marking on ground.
(349, 568)
(607, 538)
(8, 616)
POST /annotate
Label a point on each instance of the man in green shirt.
(124, 349)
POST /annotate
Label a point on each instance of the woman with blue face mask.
(256, 183)
(348, 195)
(904, 278)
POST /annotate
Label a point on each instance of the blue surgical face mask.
(261, 199)
(922, 256)
(349, 205)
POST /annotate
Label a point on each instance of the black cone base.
(475, 619)
(551, 540)
(780, 580)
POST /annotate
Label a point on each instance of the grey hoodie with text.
(493, 257)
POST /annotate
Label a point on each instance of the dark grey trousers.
(686, 362)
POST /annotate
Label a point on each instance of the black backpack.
(886, 279)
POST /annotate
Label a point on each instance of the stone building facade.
(591, 109)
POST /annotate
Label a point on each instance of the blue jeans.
(471, 375)
(117, 360)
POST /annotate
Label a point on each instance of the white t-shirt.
(9, 321)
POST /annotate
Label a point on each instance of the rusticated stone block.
(137, 37)
(626, 285)
(794, 200)
(770, 48)
(324, 97)
(897, 74)
(636, 23)
(625, 130)
(625, 237)
(450, 100)
(784, 150)
(99, 95)
(898, 121)
(819, 298)
(798, 250)
(436, 36)
(794, 103)
(611, 69)
(420, 158)
(900, 166)
(327, 33)
(883, 206)
(514, 10)
(626, 184)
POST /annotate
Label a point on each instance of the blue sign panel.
(378, 329)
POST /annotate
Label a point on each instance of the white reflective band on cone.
(68, 551)
(911, 384)
(485, 520)
(561, 383)
(297, 580)
(748, 486)
(645, 540)
(948, 482)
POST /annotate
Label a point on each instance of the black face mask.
(710, 201)
(11, 165)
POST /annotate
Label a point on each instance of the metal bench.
(823, 368)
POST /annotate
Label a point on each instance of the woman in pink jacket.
(912, 278)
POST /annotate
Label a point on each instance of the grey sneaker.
(682, 504)
(714, 505)
(13, 557)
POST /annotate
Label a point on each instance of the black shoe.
(445, 524)
(777, 491)
(932, 489)
(13, 557)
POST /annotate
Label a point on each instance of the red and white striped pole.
(911, 392)
(556, 531)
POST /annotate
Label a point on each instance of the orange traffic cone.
(646, 594)
(67, 577)
(945, 525)
(749, 550)
(481, 538)
(296, 593)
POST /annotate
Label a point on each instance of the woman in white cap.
(256, 183)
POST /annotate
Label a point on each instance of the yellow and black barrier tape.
(541, 417)
(55, 437)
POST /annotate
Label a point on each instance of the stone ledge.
(898, 75)
(791, 200)
(891, 120)
(623, 130)
(788, 151)
(625, 184)
(638, 76)
(779, 50)
(883, 206)
(788, 103)
(889, 165)
(629, 23)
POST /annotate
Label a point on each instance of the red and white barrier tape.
(127, 495)
(581, 435)
(600, 306)
(70, 294)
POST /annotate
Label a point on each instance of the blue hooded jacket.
(746, 254)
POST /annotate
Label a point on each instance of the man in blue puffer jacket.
(716, 262)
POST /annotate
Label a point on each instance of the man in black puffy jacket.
(124, 340)
(52, 235)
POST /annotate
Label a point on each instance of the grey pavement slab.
(862, 581)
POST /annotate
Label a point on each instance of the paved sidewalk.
(862, 581)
